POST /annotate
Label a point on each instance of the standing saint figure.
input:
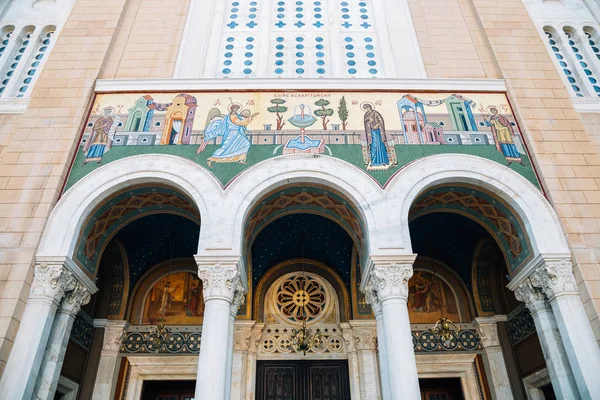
(166, 300)
(103, 131)
(376, 152)
(232, 128)
(503, 136)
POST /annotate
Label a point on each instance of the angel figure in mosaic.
(503, 136)
(103, 132)
(232, 128)
(378, 150)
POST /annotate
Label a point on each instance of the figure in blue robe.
(376, 139)
(235, 136)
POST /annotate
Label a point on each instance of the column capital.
(242, 335)
(388, 281)
(220, 281)
(50, 282)
(554, 277)
(532, 296)
(113, 332)
(488, 331)
(365, 337)
(257, 332)
(239, 298)
(74, 300)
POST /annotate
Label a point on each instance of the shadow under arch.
(502, 188)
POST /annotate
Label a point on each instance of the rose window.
(300, 298)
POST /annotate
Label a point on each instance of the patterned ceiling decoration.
(119, 210)
(500, 220)
(303, 199)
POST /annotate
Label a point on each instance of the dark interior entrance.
(441, 389)
(302, 380)
(168, 390)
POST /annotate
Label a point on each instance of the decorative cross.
(318, 24)
(251, 24)
(365, 25)
(280, 24)
(299, 24)
(232, 24)
(346, 24)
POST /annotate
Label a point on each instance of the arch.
(256, 182)
(70, 213)
(540, 222)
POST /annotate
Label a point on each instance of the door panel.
(302, 380)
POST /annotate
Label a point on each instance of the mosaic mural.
(178, 298)
(430, 298)
(226, 132)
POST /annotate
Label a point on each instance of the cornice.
(13, 105)
(182, 85)
(538, 261)
(586, 104)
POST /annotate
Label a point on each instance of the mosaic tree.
(324, 112)
(343, 112)
(278, 108)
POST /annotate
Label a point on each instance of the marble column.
(220, 284)
(388, 283)
(238, 300)
(242, 335)
(556, 280)
(381, 347)
(56, 348)
(255, 337)
(365, 340)
(353, 367)
(106, 376)
(494, 358)
(554, 352)
(50, 282)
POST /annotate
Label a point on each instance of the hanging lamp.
(444, 329)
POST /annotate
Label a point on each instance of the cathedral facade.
(299, 199)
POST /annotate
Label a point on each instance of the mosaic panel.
(520, 326)
(484, 208)
(466, 340)
(173, 343)
(83, 330)
(226, 132)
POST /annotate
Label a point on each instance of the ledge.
(13, 105)
(586, 104)
(181, 85)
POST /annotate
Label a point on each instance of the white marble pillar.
(50, 282)
(242, 335)
(56, 348)
(388, 283)
(106, 375)
(255, 337)
(381, 347)
(556, 280)
(353, 365)
(365, 340)
(554, 352)
(238, 300)
(494, 358)
(220, 284)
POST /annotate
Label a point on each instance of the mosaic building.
(299, 199)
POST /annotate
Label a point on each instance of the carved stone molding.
(365, 338)
(555, 278)
(348, 337)
(532, 296)
(50, 282)
(220, 282)
(389, 281)
(113, 333)
(488, 333)
(73, 300)
(242, 335)
(255, 337)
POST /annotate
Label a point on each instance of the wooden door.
(302, 380)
